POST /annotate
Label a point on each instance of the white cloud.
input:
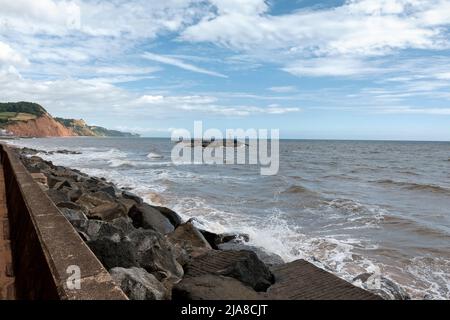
(412, 110)
(283, 89)
(31, 16)
(359, 28)
(8, 56)
(180, 64)
(331, 66)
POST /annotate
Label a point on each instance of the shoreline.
(104, 215)
(232, 242)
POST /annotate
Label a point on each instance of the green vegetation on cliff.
(19, 111)
(12, 113)
(82, 129)
(22, 107)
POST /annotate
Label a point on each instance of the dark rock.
(61, 184)
(127, 203)
(132, 196)
(227, 237)
(77, 218)
(74, 194)
(190, 239)
(216, 239)
(125, 224)
(110, 190)
(138, 284)
(65, 152)
(92, 200)
(57, 196)
(69, 205)
(53, 180)
(147, 217)
(107, 212)
(173, 217)
(142, 248)
(155, 253)
(270, 259)
(241, 265)
(213, 287)
(98, 230)
(363, 277)
(113, 252)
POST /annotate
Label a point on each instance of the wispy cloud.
(180, 64)
(283, 89)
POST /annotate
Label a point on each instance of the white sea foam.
(152, 155)
(275, 231)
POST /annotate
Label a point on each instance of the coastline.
(116, 223)
(90, 204)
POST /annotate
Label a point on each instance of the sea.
(374, 208)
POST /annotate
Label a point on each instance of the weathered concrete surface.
(44, 244)
(7, 286)
(301, 280)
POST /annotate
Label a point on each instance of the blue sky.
(357, 69)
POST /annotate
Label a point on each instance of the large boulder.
(111, 190)
(138, 284)
(241, 265)
(107, 212)
(57, 196)
(142, 248)
(189, 239)
(213, 287)
(270, 259)
(155, 254)
(99, 230)
(125, 224)
(127, 203)
(76, 217)
(129, 195)
(173, 217)
(147, 217)
(112, 252)
(100, 205)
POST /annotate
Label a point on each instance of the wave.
(297, 189)
(415, 186)
(152, 155)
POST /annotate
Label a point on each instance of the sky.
(355, 69)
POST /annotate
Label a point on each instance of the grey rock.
(77, 218)
(110, 190)
(132, 196)
(270, 259)
(155, 253)
(125, 224)
(147, 217)
(213, 287)
(57, 196)
(70, 205)
(127, 203)
(107, 212)
(138, 284)
(142, 248)
(241, 265)
(173, 217)
(99, 230)
(190, 240)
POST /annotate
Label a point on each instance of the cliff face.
(27, 119)
(44, 126)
